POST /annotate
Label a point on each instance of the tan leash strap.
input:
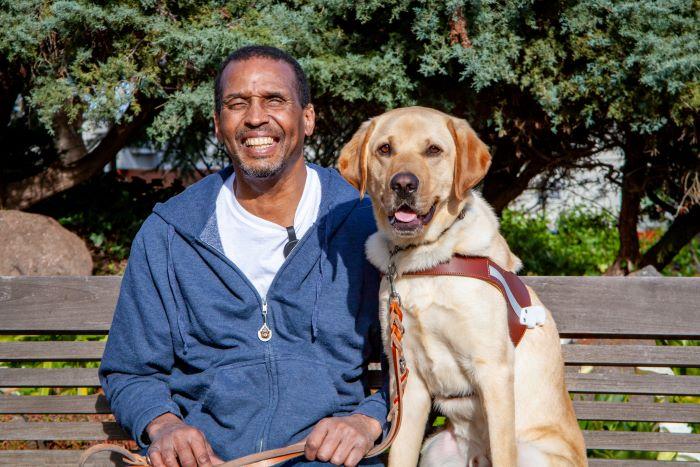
(268, 458)
(129, 457)
(275, 456)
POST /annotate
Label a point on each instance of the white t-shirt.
(256, 245)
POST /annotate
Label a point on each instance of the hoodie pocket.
(238, 397)
(306, 395)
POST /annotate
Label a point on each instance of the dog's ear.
(352, 162)
(472, 160)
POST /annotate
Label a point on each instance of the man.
(221, 346)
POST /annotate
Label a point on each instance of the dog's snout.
(404, 184)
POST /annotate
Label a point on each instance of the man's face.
(262, 123)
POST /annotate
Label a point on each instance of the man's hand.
(175, 443)
(342, 440)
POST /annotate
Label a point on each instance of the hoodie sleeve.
(139, 356)
(375, 405)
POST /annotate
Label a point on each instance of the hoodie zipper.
(264, 333)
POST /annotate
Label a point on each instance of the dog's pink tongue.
(405, 216)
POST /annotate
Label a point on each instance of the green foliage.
(592, 62)
(581, 243)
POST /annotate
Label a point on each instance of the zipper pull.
(264, 333)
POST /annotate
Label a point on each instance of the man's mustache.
(268, 129)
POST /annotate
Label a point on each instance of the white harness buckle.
(532, 316)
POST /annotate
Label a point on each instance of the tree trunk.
(681, 231)
(71, 170)
(506, 181)
(633, 181)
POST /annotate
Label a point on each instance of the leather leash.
(275, 456)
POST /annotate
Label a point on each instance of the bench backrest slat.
(51, 351)
(652, 307)
(92, 404)
(631, 355)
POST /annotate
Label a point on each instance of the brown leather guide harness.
(521, 315)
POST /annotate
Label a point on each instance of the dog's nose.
(404, 183)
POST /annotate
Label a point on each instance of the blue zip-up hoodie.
(184, 338)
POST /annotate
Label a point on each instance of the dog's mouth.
(406, 220)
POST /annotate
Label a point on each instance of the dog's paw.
(479, 461)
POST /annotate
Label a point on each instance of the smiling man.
(246, 310)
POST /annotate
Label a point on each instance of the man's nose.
(404, 184)
(256, 114)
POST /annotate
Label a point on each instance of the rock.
(36, 245)
(646, 271)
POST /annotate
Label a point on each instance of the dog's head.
(417, 165)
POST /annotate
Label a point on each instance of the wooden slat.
(631, 355)
(57, 458)
(614, 384)
(65, 458)
(51, 351)
(619, 440)
(53, 404)
(45, 431)
(52, 305)
(638, 463)
(577, 383)
(633, 384)
(56, 378)
(637, 411)
(639, 441)
(651, 307)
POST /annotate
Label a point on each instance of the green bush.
(582, 242)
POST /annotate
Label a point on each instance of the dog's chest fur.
(443, 334)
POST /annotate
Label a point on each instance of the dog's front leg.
(496, 391)
(416, 403)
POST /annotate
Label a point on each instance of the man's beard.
(267, 170)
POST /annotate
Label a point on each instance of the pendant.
(264, 333)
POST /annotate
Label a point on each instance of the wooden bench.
(584, 307)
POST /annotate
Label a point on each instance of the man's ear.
(309, 120)
(216, 127)
(472, 160)
(353, 159)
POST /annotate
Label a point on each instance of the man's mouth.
(406, 219)
(259, 142)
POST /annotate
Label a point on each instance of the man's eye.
(236, 105)
(434, 150)
(385, 149)
(275, 101)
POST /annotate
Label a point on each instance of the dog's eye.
(433, 150)
(384, 149)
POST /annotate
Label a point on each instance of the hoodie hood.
(193, 211)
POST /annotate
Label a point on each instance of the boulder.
(36, 245)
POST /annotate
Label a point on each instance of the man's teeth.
(264, 141)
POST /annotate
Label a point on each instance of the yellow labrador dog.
(507, 406)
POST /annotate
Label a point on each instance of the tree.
(548, 85)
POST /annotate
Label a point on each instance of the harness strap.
(522, 314)
(275, 456)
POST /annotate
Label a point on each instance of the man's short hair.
(263, 51)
